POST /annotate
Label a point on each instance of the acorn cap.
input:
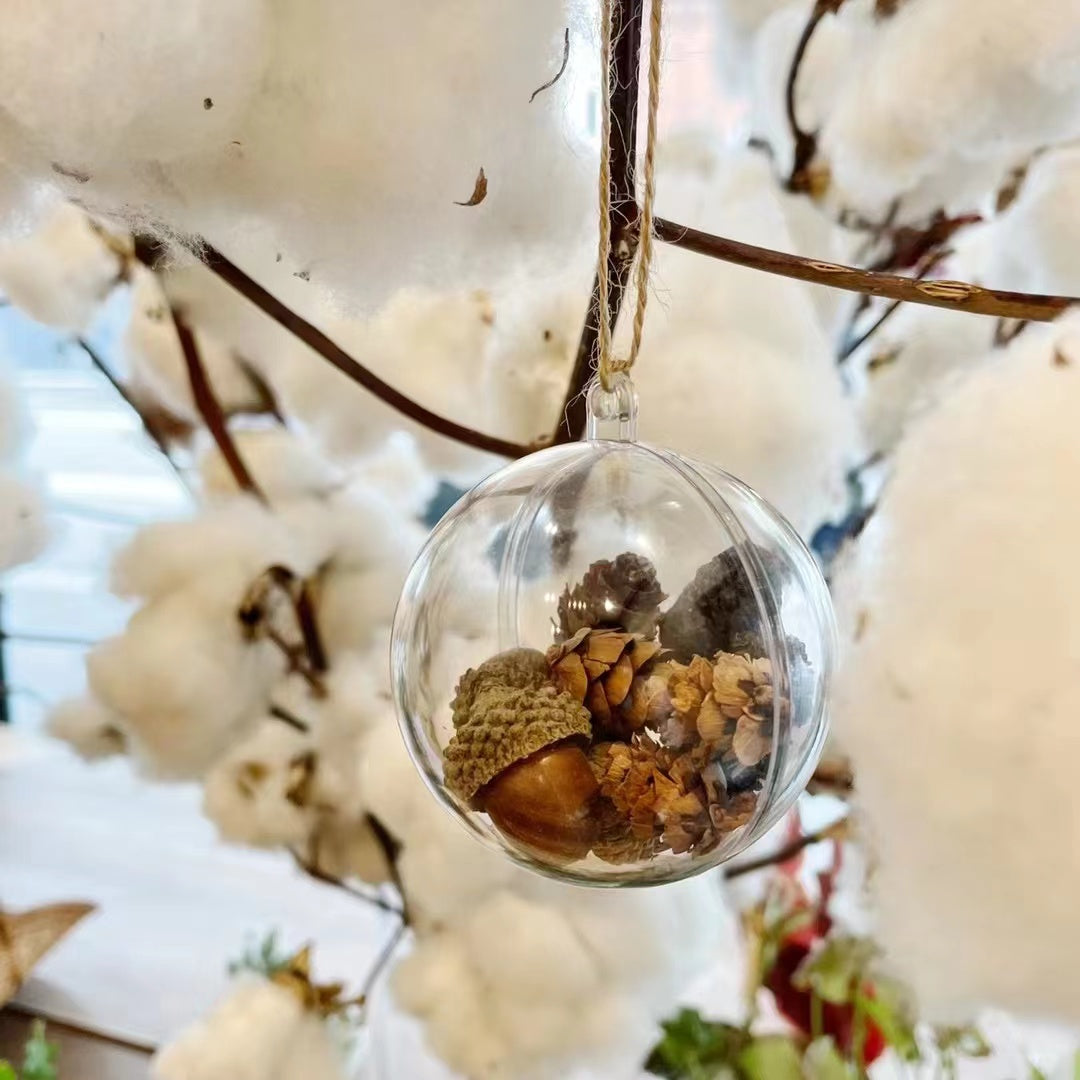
(505, 710)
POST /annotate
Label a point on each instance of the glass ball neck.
(612, 413)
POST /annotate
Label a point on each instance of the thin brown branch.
(391, 851)
(286, 717)
(953, 295)
(805, 142)
(152, 430)
(782, 855)
(318, 342)
(210, 409)
(624, 79)
(386, 954)
(855, 343)
(364, 895)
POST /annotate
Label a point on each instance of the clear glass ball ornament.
(611, 662)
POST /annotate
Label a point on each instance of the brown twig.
(782, 855)
(318, 342)
(324, 878)
(954, 295)
(854, 344)
(386, 954)
(805, 142)
(210, 409)
(624, 79)
(151, 430)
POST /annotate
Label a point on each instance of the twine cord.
(609, 365)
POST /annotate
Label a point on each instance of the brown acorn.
(546, 802)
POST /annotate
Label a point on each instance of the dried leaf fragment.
(479, 191)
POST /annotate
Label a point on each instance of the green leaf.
(6, 1071)
(771, 1057)
(823, 1061)
(835, 971)
(694, 1048)
(41, 1056)
(891, 1010)
(1076, 1066)
(966, 1040)
(264, 957)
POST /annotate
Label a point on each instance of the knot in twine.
(609, 365)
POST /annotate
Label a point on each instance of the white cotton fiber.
(232, 543)
(260, 1031)
(968, 78)
(184, 678)
(268, 128)
(23, 526)
(1040, 232)
(960, 687)
(128, 80)
(428, 345)
(247, 792)
(283, 463)
(62, 272)
(90, 729)
(156, 360)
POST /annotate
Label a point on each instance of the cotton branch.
(954, 295)
(210, 408)
(318, 342)
(624, 79)
(836, 831)
(150, 426)
(805, 141)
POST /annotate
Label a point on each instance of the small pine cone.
(598, 667)
(717, 608)
(618, 843)
(621, 595)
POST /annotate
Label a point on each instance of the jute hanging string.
(608, 364)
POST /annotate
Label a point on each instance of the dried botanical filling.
(638, 733)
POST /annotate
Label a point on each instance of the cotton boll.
(428, 345)
(251, 794)
(62, 272)
(1000, 78)
(283, 464)
(397, 471)
(437, 982)
(155, 358)
(237, 541)
(447, 873)
(532, 349)
(781, 423)
(134, 86)
(528, 949)
(908, 363)
(837, 41)
(23, 527)
(394, 792)
(962, 616)
(90, 729)
(184, 678)
(398, 185)
(259, 1032)
(1040, 233)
